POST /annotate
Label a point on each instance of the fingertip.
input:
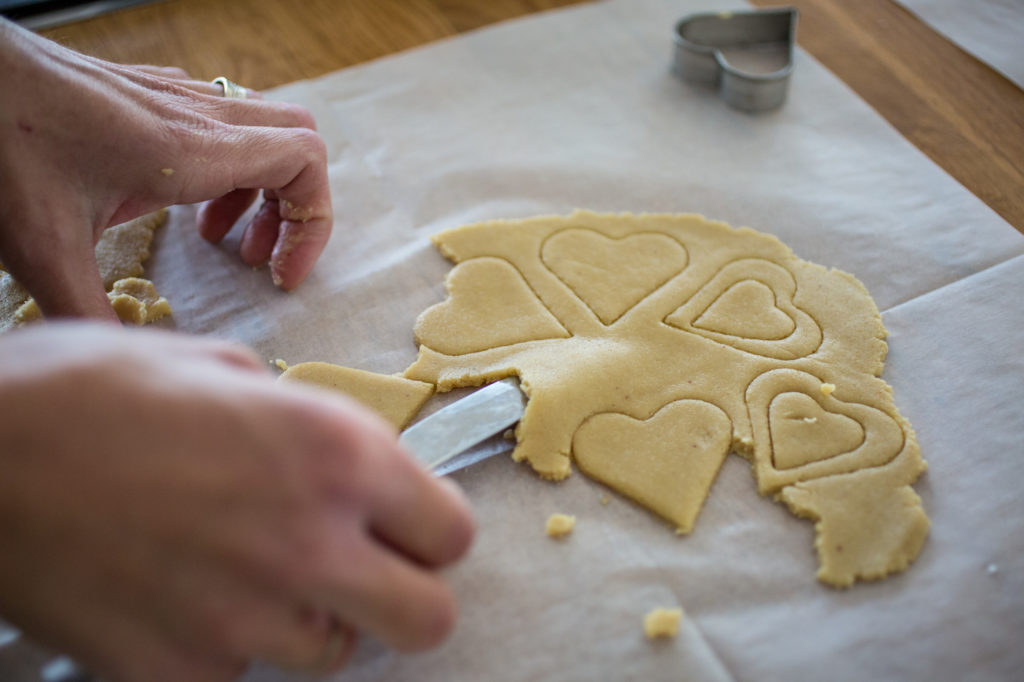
(462, 530)
(437, 622)
(296, 251)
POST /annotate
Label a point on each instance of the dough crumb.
(280, 364)
(605, 499)
(662, 623)
(826, 389)
(560, 525)
(167, 171)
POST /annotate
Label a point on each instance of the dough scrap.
(662, 623)
(120, 254)
(559, 525)
(12, 297)
(123, 249)
(394, 398)
(136, 301)
(647, 373)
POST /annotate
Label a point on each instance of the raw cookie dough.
(12, 297)
(651, 346)
(396, 399)
(662, 623)
(559, 525)
(120, 254)
(136, 301)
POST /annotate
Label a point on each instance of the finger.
(375, 590)
(172, 72)
(217, 216)
(292, 162)
(423, 517)
(298, 246)
(260, 235)
(259, 113)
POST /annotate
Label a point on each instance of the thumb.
(64, 284)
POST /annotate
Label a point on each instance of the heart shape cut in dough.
(474, 289)
(748, 310)
(666, 463)
(803, 431)
(612, 275)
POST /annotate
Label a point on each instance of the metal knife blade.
(453, 430)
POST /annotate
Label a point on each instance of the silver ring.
(333, 648)
(231, 90)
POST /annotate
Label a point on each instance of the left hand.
(86, 144)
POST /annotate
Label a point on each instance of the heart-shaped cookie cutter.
(748, 55)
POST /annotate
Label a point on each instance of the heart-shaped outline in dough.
(734, 303)
(805, 338)
(629, 455)
(474, 286)
(883, 436)
(611, 275)
(802, 431)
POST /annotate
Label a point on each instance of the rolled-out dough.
(651, 346)
(394, 398)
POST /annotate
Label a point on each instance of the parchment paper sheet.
(991, 30)
(578, 109)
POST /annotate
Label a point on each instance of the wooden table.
(965, 116)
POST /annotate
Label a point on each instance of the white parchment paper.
(991, 30)
(577, 108)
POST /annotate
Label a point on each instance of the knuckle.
(311, 144)
(301, 115)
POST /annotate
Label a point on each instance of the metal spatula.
(463, 433)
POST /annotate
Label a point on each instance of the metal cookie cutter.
(749, 54)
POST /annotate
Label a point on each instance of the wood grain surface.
(967, 117)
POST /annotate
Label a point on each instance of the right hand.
(168, 512)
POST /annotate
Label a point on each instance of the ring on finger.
(230, 89)
(335, 648)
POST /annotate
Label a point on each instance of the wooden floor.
(962, 114)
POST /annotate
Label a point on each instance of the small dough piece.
(662, 622)
(26, 313)
(12, 297)
(136, 301)
(394, 398)
(651, 346)
(559, 525)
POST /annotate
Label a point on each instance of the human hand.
(86, 144)
(168, 512)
